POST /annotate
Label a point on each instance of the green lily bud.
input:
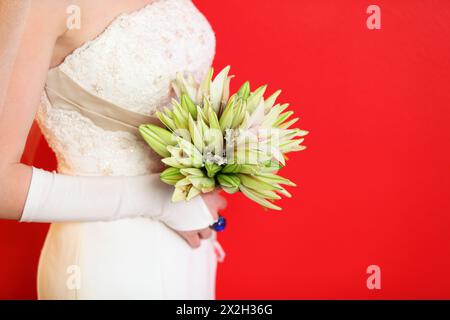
(249, 169)
(266, 194)
(282, 118)
(187, 103)
(273, 115)
(212, 168)
(230, 190)
(171, 175)
(194, 157)
(258, 199)
(166, 120)
(270, 101)
(232, 168)
(272, 178)
(288, 124)
(244, 91)
(255, 98)
(157, 138)
(205, 85)
(202, 183)
(228, 180)
(239, 115)
(284, 192)
(253, 182)
(217, 88)
(172, 162)
(226, 119)
(192, 172)
(196, 135)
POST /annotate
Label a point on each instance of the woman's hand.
(215, 202)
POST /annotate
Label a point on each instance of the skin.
(34, 38)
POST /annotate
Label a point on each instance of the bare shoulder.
(94, 16)
(50, 15)
(13, 12)
(43, 15)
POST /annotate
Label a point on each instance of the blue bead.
(220, 224)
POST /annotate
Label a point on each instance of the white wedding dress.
(130, 64)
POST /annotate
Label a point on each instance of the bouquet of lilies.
(209, 139)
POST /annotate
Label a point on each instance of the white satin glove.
(54, 197)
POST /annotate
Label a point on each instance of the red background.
(374, 183)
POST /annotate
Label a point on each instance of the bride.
(115, 233)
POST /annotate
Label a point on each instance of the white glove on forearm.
(54, 197)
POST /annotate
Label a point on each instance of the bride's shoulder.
(42, 15)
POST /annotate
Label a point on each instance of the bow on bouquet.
(212, 139)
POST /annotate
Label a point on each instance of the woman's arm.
(28, 30)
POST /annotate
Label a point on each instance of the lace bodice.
(130, 64)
